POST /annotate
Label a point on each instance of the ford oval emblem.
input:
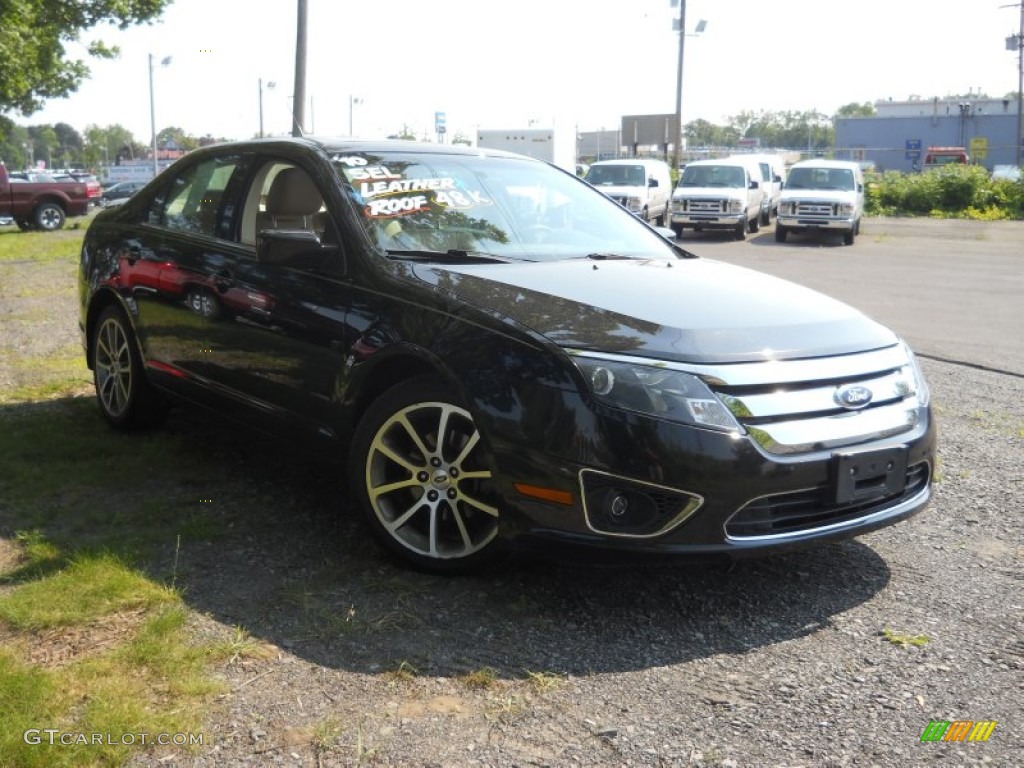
(853, 397)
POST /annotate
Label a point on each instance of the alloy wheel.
(114, 368)
(429, 484)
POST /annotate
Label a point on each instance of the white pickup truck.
(822, 195)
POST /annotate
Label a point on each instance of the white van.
(641, 185)
(821, 195)
(772, 177)
(719, 194)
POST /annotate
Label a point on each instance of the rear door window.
(195, 200)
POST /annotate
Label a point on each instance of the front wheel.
(125, 396)
(780, 233)
(849, 236)
(740, 232)
(423, 479)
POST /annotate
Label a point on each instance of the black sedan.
(118, 193)
(500, 354)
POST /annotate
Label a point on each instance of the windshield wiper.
(608, 256)
(452, 256)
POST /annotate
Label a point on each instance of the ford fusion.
(500, 355)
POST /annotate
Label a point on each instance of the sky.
(566, 64)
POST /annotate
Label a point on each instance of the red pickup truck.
(36, 201)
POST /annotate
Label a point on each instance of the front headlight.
(920, 385)
(655, 391)
(633, 202)
(846, 209)
(735, 206)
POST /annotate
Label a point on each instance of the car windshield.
(821, 178)
(510, 208)
(712, 176)
(616, 175)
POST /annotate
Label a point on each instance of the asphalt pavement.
(954, 289)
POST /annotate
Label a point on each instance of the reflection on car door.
(277, 341)
(171, 268)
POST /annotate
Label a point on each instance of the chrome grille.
(813, 208)
(699, 205)
(795, 406)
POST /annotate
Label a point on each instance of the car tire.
(125, 396)
(659, 221)
(678, 229)
(766, 216)
(23, 224)
(780, 233)
(755, 223)
(850, 235)
(203, 302)
(423, 479)
(48, 216)
(739, 232)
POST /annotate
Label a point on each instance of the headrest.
(292, 193)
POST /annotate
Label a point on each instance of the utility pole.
(678, 138)
(299, 102)
(1020, 83)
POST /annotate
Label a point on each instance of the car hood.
(621, 190)
(685, 310)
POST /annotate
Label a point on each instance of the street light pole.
(270, 86)
(352, 101)
(678, 138)
(152, 110)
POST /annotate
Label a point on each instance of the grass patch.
(902, 640)
(484, 678)
(64, 244)
(90, 587)
(544, 682)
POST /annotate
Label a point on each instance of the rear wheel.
(125, 396)
(49, 216)
(23, 224)
(423, 479)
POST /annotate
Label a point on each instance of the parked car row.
(744, 192)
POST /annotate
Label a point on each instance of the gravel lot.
(800, 660)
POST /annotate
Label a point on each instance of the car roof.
(743, 162)
(629, 161)
(341, 145)
(827, 164)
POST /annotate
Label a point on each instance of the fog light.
(620, 505)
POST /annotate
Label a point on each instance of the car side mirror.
(777, 179)
(652, 182)
(299, 248)
(860, 187)
(754, 185)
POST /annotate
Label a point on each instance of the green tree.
(853, 109)
(34, 65)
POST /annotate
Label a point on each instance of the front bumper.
(708, 220)
(708, 493)
(790, 221)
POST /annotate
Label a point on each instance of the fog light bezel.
(688, 505)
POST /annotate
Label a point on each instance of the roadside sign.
(439, 122)
(913, 149)
(979, 147)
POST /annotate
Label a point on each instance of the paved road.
(953, 289)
